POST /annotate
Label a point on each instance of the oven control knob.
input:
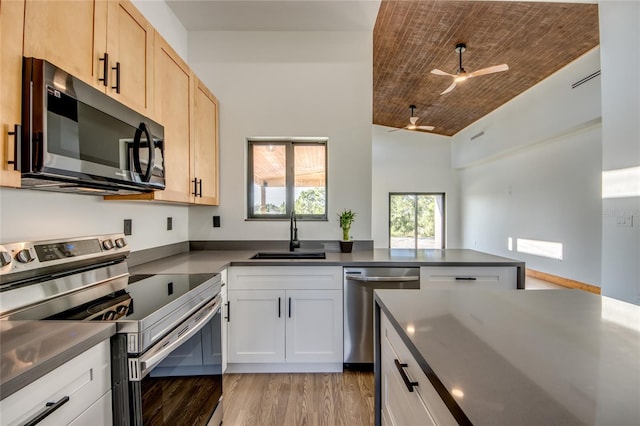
(121, 242)
(107, 244)
(5, 258)
(24, 256)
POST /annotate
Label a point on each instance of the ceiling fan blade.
(429, 128)
(489, 70)
(450, 88)
(395, 130)
(438, 72)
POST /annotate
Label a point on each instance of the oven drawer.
(83, 380)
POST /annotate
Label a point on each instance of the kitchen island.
(503, 357)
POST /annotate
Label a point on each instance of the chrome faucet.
(293, 232)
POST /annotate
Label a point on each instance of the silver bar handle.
(367, 279)
(152, 358)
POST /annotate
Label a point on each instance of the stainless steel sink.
(289, 255)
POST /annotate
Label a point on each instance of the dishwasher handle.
(367, 279)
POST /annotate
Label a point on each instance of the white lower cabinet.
(412, 403)
(256, 326)
(448, 277)
(225, 312)
(82, 386)
(285, 316)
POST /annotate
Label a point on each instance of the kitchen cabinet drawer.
(400, 406)
(99, 414)
(84, 379)
(285, 277)
(450, 277)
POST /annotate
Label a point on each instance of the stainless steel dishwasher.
(359, 284)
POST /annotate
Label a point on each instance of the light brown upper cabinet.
(11, 29)
(204, 143)
(189, 113)
(130, 40)
(173, 82)
(107, 44)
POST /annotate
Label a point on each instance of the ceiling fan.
(462, 75)
(412, 123)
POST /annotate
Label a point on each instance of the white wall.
(288, 84)
(37, 215)
(620, 44)
(549, 192)
(536, 174)
(406, 161)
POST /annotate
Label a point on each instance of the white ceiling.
(268, 15)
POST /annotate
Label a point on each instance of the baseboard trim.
(564, 282)
(284, 368)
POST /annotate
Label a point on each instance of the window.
(416, 220)
(286, 175)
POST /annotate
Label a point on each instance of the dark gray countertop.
(525, 357)
(202, 261)
(31, 349)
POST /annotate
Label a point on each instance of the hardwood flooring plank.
(323, 399)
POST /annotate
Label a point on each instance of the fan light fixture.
(462, 75)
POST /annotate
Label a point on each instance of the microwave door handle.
(150, 360)
(146, 176)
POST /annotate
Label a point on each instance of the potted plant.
(346, 220)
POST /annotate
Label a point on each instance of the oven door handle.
(180, 335)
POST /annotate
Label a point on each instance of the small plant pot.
(346, 246)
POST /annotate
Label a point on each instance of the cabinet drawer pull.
(408, 383)
(466, 278)
(105, 69)
(279, 307)
(50, 407)
(229, 311)
(289, 307)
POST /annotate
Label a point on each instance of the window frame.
(416, 194)
(289, 144)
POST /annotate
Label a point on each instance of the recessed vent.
(584, 80)
(476, 136)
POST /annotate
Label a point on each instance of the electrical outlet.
(624, 221)
(216, 221)
(127, 226)
(169, 223)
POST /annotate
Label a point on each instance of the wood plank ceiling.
(411, 38)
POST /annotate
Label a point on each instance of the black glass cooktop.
(152, 292)
(144, 296)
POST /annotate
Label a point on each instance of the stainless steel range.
(166, 356)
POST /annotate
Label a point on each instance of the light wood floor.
(330, 399)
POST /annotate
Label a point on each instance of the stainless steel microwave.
(77, 139)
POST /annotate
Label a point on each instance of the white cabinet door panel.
(314, 326)
(256, 326)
